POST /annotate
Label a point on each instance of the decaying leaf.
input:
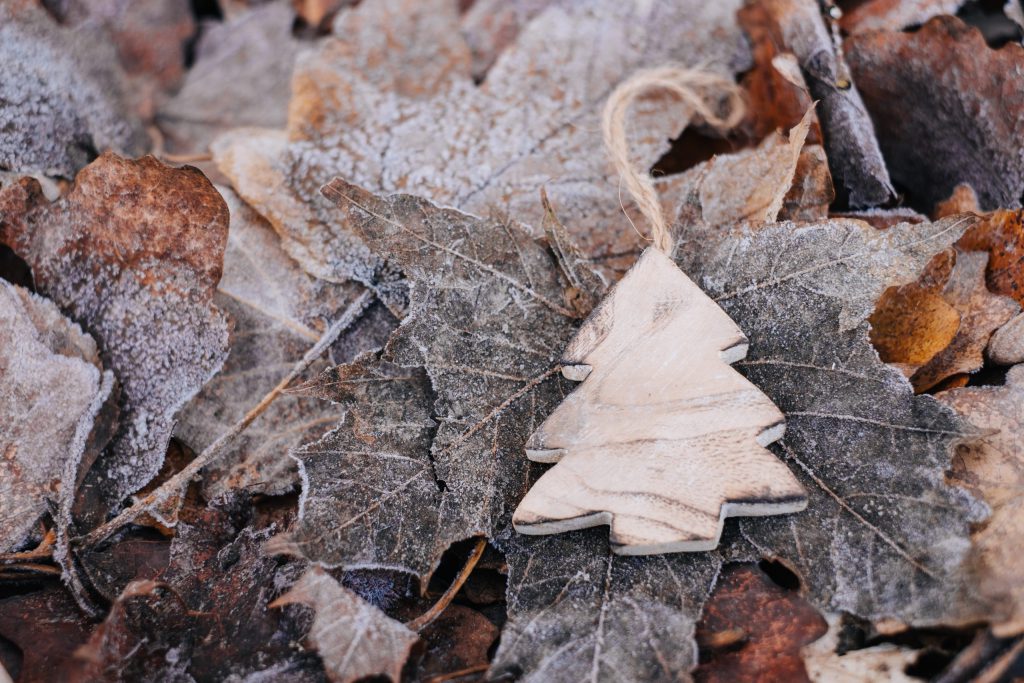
(242, 77)
(207, 617)
(992, 466)
(963, 200)
(370, 497)
(354, 638)
(52, 385)
(981, 313)
(278, 312)
(461, 638)
(753, 629)
(884, 536)
(137, 269)
(405, 115)
(1007, 344)
(944, 109)
(1001, 234)
(884, 662)
(63, 96)
(894, 15)
(798, 27)
(47, 626)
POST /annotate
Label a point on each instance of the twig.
(425, 619)
(187, 158)
(176, 484)
(452, 675)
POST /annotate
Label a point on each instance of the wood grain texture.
(663, 439)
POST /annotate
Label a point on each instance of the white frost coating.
(51, 389)
(359, 113)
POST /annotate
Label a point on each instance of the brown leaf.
(769, 623)
(62, 95)
(279, 311)
(963, 200)
(47, 626)
(354, 638)
(798, 26)
(137, 268)
(405, 115)
(241, 77)
(894, 15)
(52, 385)
(981, 313)
(992, 466)
(944, 109)
(826, 663)
(491, 26)
(460, 639)
(207, 616)
(1001, 234)
(1007, 344)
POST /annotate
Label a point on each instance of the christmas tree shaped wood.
(663, 439)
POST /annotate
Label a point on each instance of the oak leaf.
(137, 269)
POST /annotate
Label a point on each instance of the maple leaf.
(906, 78)
(241, 77)
(487, 322)
(991, 466)
(138, 274)
(405, 115)
(62, 95)
(278, 312)
(355, 639)
(53, 388)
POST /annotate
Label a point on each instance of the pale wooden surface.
(663, 439)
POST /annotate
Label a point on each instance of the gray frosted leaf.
(139, 275)
(63, 96)
(884, 535)
(278, 311)
(52, 386)
(405, 115)
(370, 497)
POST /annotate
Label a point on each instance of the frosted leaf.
(404, 114)
(62, 95)
(133, 253)
(279, 311)
(53, 385)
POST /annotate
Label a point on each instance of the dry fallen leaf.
(354, 638)
(1007, 344)
(884, 662)
(405, 115)
(491, 26)
(991, 466)
(137, 269)
(370, 494)
(981, 313)
(241, 77)
(945, 109)
(207, 616)
(753, 629)
(278, 312)
(63, 95)
(53, 386)
(799, 27)
(487, 320)
(47, 626)
(1001, 234)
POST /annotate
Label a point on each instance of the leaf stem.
(176, 484)
(425, 619)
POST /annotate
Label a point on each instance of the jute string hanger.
(695, 87)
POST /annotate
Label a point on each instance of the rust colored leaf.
(963, 200)
(992, 466)
(1001, 234)
(52, 385)
(945, 109)
(47, 626)
(798, 27)
(752, 629)
(137, 267)
(460, 639)
(354, 638)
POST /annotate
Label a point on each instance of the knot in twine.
(696, 88)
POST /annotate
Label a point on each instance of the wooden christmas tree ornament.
(663, 439)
